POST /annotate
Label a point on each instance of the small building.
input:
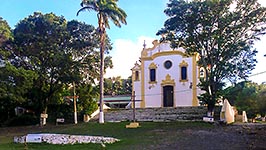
(166, 77)
(117, 101)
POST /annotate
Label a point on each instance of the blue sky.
(145, 18)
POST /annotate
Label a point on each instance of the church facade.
(165, 77)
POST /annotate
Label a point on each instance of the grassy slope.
(145, 137)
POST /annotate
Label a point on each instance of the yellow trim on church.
(168, 81)
(153, 66)
(195, 101)
(142, 103)
(164, 53)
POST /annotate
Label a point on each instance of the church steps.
(158, 114)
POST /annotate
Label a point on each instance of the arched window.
(136, 75)
(152, 75)
(136, 72)
(152, 72)
(183, 71)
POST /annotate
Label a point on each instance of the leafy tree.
(60, 52)
(127, 85)
(83, 46)
(5, 38)
(222, 37)
(5, 31)
(15, 83)
(244, 96)
(88, 97)
(108, 86)
(105, 9)
(262, 99)
(41, 45)
(117, 86)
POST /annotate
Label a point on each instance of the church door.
(168, 96)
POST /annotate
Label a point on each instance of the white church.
(166, 77)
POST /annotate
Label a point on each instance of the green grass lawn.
(150, 133)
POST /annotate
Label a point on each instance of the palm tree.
(105, 9)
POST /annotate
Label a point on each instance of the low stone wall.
(159, 114)
(65, 139)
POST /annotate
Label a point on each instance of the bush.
(23, 120)
(60, 111)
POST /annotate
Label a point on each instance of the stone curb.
(65, 139)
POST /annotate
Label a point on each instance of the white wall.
(183, 93)
(154, 92)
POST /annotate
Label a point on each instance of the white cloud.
(125, 54)
(262, 2)
(258, 76)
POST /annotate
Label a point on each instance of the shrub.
(23, 120)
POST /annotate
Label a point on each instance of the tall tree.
(247, 96)
(108, 86)
(15, 83)
(105, 9)
(87, 98)
(5, 31)
(221, 34)
(127, 85)
(41, 45)
(262, 99)
(84, 47)
(5, 38)
(117, 86)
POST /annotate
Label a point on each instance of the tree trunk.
(102, 47)
(43, 119)
(101, 117)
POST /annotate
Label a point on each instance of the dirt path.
(226, 137)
